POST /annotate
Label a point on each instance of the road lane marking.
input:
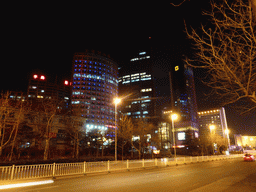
(25, 184)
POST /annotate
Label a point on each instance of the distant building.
(216, 118)
(39, 88)
(18, 96)
(245, 141)
(95, 85)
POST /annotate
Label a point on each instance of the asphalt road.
(223, 175)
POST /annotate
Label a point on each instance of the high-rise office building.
(184, 102)
(136, 87)
(94, 88)
(155, 80)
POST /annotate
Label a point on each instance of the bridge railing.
(19, 172)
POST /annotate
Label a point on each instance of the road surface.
(223, 175)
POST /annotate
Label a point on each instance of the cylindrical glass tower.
(95, 84)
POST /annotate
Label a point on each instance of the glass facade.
(95, 85)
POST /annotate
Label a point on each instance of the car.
(249, 157)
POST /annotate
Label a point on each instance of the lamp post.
(116, 101)
(174, 117)
(212, 127)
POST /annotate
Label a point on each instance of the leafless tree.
(74, 126)
(178, 3)
(20, 108)
(5, 114)
(125, 130)
(47, 121)
(227, 50)
(11, 114)
(142, 129)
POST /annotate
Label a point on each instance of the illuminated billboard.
(181, 136)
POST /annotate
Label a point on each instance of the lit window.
(124, 82)
(146, 90)
(144, 79)
(144, 101)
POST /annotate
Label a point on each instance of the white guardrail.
(16, 172)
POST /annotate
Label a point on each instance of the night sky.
(40, 37)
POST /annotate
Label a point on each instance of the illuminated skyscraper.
(184, 102)
(94, 88)
(155, 80)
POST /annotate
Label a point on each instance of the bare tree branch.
(227, 50)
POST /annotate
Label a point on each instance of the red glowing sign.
(66, 82)
(35, 76)
(42, 77)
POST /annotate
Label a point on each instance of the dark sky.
(44, 36)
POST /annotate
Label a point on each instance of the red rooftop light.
(42, 77)
(35, 76)
(66, 82)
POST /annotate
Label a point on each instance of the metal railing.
(16, 172)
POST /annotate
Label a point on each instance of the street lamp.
(116, 101)
(174, 117)
(212, 127)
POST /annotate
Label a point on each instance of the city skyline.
(48, 45)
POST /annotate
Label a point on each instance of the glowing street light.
(212, 127)
(116, 102)
(174, 117)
